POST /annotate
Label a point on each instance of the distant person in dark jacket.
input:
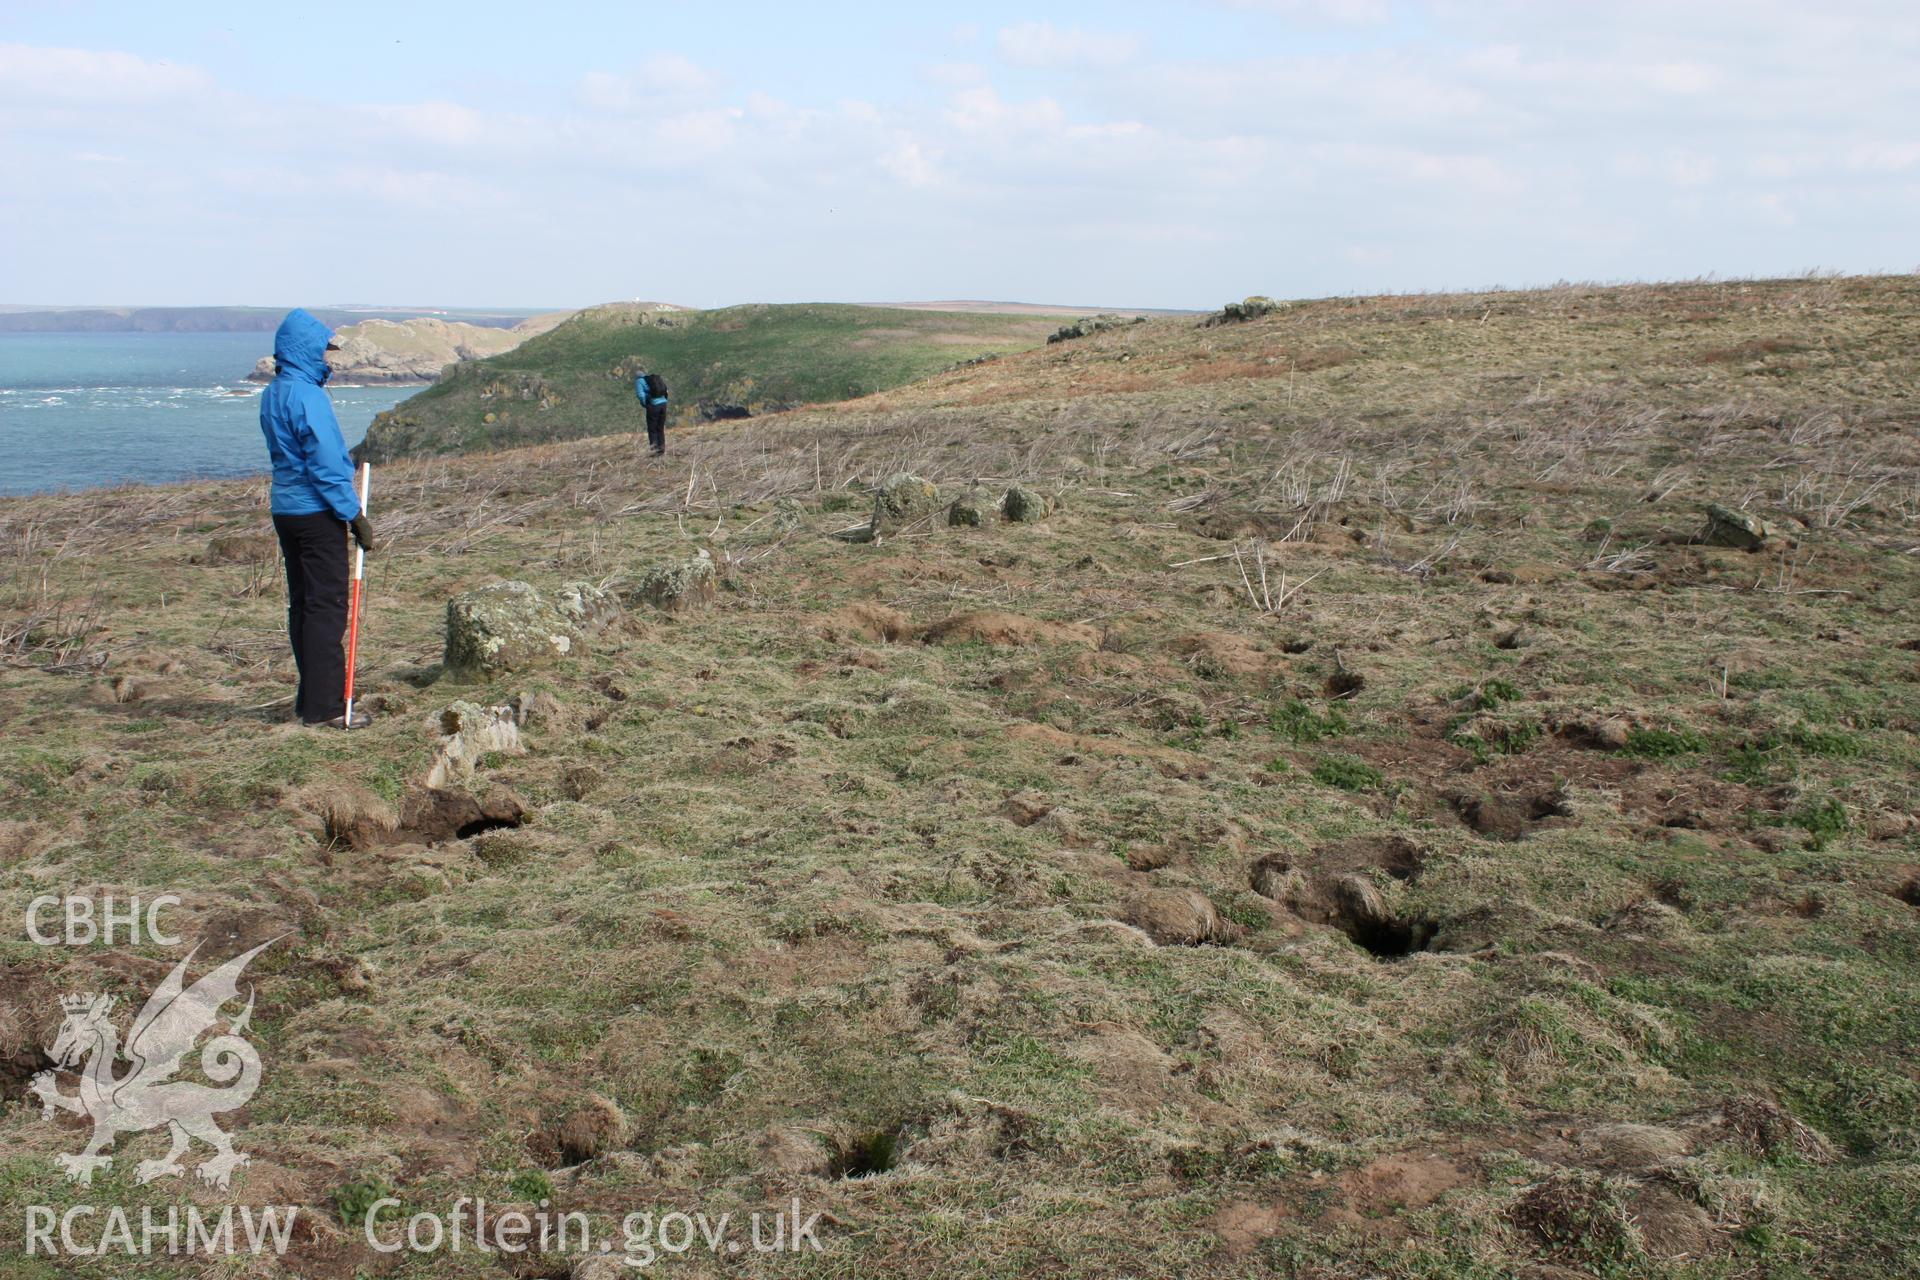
(314, 505)
(652, 390)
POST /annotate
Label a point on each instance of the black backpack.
(656, 387)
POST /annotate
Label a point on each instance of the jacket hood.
(300, 346)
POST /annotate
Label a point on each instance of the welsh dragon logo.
(146, 1095)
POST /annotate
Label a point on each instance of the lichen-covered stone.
(1090, 324)
(1240, 312)
(903, 496)
(966, 513)
(585, 605)
(1729, 528)
(678, 586)
(507, 626)
(1022, 505)
(469, 733)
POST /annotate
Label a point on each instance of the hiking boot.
(360, 721)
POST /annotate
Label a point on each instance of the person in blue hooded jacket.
(314, 505)
(651, 388)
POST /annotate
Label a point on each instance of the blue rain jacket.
(311, 469)
(640, 389)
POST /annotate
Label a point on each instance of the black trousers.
(657, 428)
(315, 548)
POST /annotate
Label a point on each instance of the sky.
(1118, 153)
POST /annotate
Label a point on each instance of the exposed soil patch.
(1679, 793)
(1344, 682)
(1510, 815)
(869, 622)
(1217, 653)
(1332, 886)
(1573, 1218)
(1389, 938)
(1242, 1226)
(1025, 808)
(1370, 1198)
(1398, 856)
(867, 1154)
(21, 1032)
(1909, 892)
(434, 815)
(580, 1133)
(1396, 1183)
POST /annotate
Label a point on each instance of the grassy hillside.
(577, 380)
(1359, 831)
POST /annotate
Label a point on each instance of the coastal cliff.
(409, 351)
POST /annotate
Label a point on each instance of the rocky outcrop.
(1092, 324)
(408, 351)
(677, 587)
(469, 733)
(508, 626)
(586, 606)
(1240, 312)
(1023, 506)
(1726, 527)
(900, 500)
(968, 512)
(903, 497)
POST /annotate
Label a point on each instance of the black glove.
(363, 532)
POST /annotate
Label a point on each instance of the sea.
(79, 410)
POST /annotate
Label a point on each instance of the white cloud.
(1509, 140)
(436, 124)
(1681, 77)
(661, 77)
(1883, 156)
(1356, 12)
(983, 110)
(1041, 44)
(691, 134)
(62, 76)
(909, 163)
(954, 74)
(604, 91)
